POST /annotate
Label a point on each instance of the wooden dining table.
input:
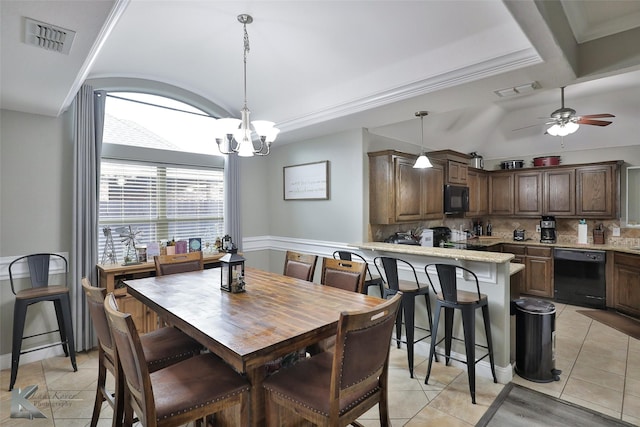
(277, 315)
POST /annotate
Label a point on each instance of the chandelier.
(234, 136)
(422, 162)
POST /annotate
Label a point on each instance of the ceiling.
(317, 67)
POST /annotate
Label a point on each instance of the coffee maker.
(548, 229)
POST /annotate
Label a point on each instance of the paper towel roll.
(582, 233)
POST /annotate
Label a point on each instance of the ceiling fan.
(564, 120)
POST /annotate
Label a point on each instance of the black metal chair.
(40, 290)
(450, 298)
(369, 279)
(388, 269)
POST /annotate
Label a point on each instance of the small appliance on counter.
(402, 239)
(548, 229)
(518, 235)
(441, 235)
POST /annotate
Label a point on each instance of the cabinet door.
(538, 273)
(560, 192)
(457, 173)
(501, 194)
(626, 284)
(595, 192)
(128, 304)
(528, 193)
(433, 191)
(478, 183)
(408, 205)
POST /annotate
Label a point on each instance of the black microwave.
(456, 199)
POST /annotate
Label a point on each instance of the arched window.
(161, 174)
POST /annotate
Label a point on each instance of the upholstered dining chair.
(161, 348)
(300, 266)
(347, 275)
(190, 390)
(335, 388)
(43, 287)
(369, 280)
(178, 263)
(449, 297)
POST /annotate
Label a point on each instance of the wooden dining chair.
(347, 275)
(187, 391)
(334, 389)
(161, 348)
(300, 266)
(178, 263)
(370, 279)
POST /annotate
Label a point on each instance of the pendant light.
(423, 161)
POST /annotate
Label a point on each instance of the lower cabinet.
(626, 271)
(538, 272)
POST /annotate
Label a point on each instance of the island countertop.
(457, 254)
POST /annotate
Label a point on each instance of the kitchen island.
(494, 272)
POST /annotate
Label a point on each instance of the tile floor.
(601, 370)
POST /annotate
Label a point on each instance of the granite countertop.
(459, 254)
(485, 241)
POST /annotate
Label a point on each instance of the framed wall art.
(309, 181)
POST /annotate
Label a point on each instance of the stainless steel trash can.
(536, 340)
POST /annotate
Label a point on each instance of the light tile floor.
(600, 370)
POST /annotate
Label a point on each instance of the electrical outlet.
(615, 232)
(537, 228)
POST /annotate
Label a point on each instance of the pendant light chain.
(246, 50)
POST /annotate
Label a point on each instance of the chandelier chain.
(246, 51)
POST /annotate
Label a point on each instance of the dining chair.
(451, 298)
(347, 275)
(336, 388)
(300, 266)
(369, 280)
(388, 269)
(37, 273)
(161, 348)
(178, 263)
(187, 391)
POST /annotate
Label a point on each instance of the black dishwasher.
(579, 277)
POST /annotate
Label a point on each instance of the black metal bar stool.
(388, 269)
(467, 302)
(369, 279)
(41, 291)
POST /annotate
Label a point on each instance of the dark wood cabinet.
(626, 283)
(528, 193)
(559, 192)
(538, 272)
(501, 193)
(596, 191)
(457, 173)
(399, 193)
(478, 182)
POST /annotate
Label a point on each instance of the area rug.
(617, 321)
(518, 406)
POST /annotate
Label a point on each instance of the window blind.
(160, 202)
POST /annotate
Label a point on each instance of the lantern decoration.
(232, 272)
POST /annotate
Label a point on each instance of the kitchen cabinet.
(559, 192)
(399, 193)
(456, 166)
(597, 191)
(626, 292)
(538, 272)
(478, 183)
(501, 193)
(528, 193)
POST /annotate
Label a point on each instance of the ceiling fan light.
(554, 130)
(422, 162)
(571, 127)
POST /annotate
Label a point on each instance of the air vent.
(518, 90)
(48, 36)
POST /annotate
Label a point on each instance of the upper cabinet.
(478, 183)
(456, 166)
(400, 193)
(582, 191)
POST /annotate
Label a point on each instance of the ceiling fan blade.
(596, 116)
(584, 121)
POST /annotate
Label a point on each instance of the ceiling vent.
(518, 90)
(48, 36)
